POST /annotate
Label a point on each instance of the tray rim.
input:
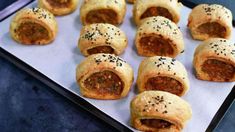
(82, 103)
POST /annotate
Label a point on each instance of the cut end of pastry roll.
(210, 21)
(131, 1)
(105, 11)
(104, 76)
(59, 7)
(159, 36)
(163, 74)
(159, 111)
(214, 60)
(33, 26)
(102, 38)
(169, 9)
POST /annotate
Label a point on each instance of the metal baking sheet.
(58, 62)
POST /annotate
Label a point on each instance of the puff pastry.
(210, 21)
(33, 26)
(159, 36)
(101, 38)
(59, 7)
(159, 111)
(104, 76)
(162, 73)
(214, 60)
(103, 11)
(147, 8)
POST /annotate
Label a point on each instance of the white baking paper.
(58, 61)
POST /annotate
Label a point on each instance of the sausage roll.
(210, 21)
(147, 8)
(159, 36)
(164, 74)
(59, 7)
(214, 60)
(104, 76)
(159, 111)
(131, 1)
(102, 38)
(33, 26)
(103, 11)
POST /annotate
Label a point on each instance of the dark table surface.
(26, 104)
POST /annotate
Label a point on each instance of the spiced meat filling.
(30, 32)
(59, 3)
(157, 11)
(164, 84)
(213, 29)
(156, 45)
(102, 16)
(218, 70)
(105, 82)
(101, 49)
(156, 123)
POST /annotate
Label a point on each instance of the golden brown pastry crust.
(163, 28)
(101, 62)
(38, 16)
(158, 66)
(159, 105)
(140, 6)
(58, 10)
(119, 7)
(95, 35)
(214, 48)
(205, 13)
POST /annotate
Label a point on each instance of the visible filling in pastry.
(30, 32)
(218, 70)
(156, 123)
(213, 29)
(102, 16)
(59, 3)
(101, 49)
(157, 11)
(105, 82)
(164, 84)
(156, 45)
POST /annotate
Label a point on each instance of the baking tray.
(73, 94)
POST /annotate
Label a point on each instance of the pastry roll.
(33, 26)
(214, 60)
(147, 8)
(159, 111)
(164, 74)
(59, 7)
(103, 11)
(159, 36)
(131, 1)
(102, 38)
(104, 76)
(210, 21)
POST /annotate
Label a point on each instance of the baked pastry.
(164, 74)
(103, 11)
(102, 38)
(159, 36)
(59, 7)
(159, 111)
(147, 8)
(214, 60)
(33, 26)
(210, 21)
(104, 76)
